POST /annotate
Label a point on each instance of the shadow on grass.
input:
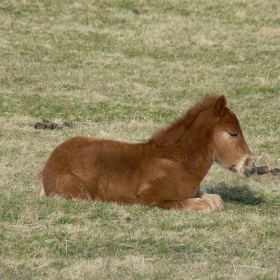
(239, 194)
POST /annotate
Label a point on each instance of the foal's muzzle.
(249, 167)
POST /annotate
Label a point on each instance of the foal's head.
(229, 146)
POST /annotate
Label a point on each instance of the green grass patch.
(121, 69)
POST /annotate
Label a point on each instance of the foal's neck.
(196, 150)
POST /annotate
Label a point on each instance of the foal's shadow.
(239, 194)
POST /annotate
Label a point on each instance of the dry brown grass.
(120, 75)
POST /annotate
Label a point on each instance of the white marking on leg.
(202, 191)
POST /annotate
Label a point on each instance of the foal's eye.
(233, 134)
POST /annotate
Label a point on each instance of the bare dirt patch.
(270, 31)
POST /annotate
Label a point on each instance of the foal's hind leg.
(70, 186)
(216, 199)
(206, 203)
(218, 202)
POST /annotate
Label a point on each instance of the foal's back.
(93, 168)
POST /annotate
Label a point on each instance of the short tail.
(41, 190)
(41, 187)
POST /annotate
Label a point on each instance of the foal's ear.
(220, 106)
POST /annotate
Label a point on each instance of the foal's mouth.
(248, 172)
(249, 167)
(245, 171)
(233, 169)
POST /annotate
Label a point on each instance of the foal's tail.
(41, 186)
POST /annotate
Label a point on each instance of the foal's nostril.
(250, 166)
(251, 163)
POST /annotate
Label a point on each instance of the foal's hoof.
(216, 199)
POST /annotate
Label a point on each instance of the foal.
(166, 171)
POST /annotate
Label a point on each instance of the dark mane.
(174, 132)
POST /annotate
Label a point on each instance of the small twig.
(234, 268)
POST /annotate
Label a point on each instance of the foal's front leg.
(208, 202)
(157, 194)
(168, 186)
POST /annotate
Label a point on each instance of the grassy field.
(121, 69)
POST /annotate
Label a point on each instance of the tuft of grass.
(121, 69)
